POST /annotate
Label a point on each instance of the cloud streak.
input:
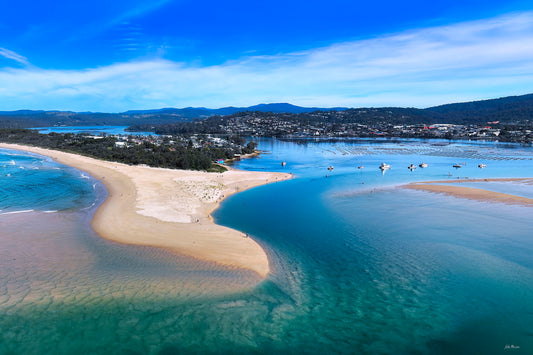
(142, 10)
(6, 53)
(459, 62)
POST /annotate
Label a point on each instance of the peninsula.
(170, 208)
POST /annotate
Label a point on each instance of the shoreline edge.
(169, 208)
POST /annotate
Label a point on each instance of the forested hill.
(28, 118)
(507, 109)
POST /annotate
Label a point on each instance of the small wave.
(51, 211)
(16, 212)
(89, 207)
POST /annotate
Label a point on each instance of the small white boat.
(283, 163)
(481, 166)
(423, 165)
(360, 167)
(384, 166)
(411, 167)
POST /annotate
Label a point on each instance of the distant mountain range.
(512, 108)
(196, 112)
(40, 118)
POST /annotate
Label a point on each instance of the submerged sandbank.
(474, 193)
(170, 208)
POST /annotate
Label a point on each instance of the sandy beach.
(474, 193)
(170, 209)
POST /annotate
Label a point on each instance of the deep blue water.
(359, 265)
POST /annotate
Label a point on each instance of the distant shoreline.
(474, 193)
(170, 209)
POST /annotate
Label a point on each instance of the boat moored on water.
(411, 167)
(384, 166)
(423, 165)
(457, 166)
(330, 168)
(481, 166)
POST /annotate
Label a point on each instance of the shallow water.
(387, 270)
(517, 188)
(359, 266)
(65, 290)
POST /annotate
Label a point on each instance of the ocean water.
(359, 266)
(31, 182)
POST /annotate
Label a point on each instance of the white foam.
(16, 212)
(86, 208)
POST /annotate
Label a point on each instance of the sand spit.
(474, 193)
(170, 208)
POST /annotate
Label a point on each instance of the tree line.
(165, 154)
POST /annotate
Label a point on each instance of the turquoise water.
(359, 266)
(32, 182)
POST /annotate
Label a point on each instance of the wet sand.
(474, 193)
(170, 209)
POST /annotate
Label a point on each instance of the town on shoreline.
(342, 124)
(203, 139)
(210, 143)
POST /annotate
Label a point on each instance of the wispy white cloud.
(6, 53)
(423, 67)
(123, 17)
(142, 9)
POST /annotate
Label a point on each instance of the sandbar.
(169, 208)
(474, 193)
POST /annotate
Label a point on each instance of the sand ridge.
(474, 193)
(170, 208)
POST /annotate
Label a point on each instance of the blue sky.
(118, 55)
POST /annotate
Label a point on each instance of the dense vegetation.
(518, 109)
(28, 118)
(507, 109)
(165, 153)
